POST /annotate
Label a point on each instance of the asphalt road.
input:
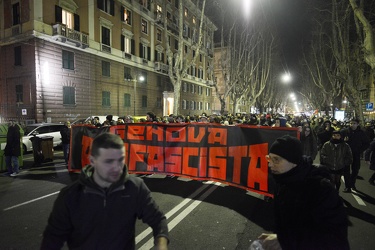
(201, 215)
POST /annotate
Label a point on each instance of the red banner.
(234, 155)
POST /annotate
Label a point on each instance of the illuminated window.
(68, 19)
(186, 12)
(126, 16)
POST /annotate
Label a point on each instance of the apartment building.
(68, 59)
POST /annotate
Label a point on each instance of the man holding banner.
(99, 210)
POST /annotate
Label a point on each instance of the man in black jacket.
(12, 149)
(309, 213)
(358, 142)
(99, 211)
(65, 139)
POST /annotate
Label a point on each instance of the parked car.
(41, 130)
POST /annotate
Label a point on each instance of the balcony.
(64, 34)
(162, 67)
(106, 48)
(127, 56)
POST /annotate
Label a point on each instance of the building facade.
(65, 59)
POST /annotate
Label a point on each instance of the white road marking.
(150, 243)
(356, 197)
(30, 201)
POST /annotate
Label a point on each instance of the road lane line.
(30, 201)
(148, 231)
(356, 197)
(150, 243)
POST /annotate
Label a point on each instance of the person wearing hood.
(324, 133)
(337, 156)
(100, 209)
(309, 214)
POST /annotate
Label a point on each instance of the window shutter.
(100, 4)
(140, 50)
(122, 13)
(58, 14)
(133, 47)
(148, 53)
(76, 22)
(122, 43)
(112, 10)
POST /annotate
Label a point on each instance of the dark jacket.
(65, 135)
(370, 155)
(88, 217)
(13, 146)
(336, 156)
(323, 134)
(309, 213)
(309, 143)
(357, 140)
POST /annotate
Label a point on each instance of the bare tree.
(178, 61)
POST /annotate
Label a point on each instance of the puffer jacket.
(336, 156)
(87, 216)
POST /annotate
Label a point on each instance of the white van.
(41, 130)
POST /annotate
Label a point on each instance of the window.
(158, 35)
(106, 98)
(144, 51)
(200, 105)
(158, 102)
(200, 73)
(126, 16)
(176, 3)
(144, 3)
(193, 88)
(200, 90)
(175, 43)
(126, 100)
(186, 12)
(17, 56)
(169, 40)
(192, 105)
(144, 101)
(208, 91)
(107, 6)
(69, 95)
(127, 73)
(194, 19)
(183, 104)
(208, 106)
(184, 87)
(16, 13)
(186, 49)
(200, 57)
(127, 45)
(106, 68)
(68, 59)
(106, 36)
(68, 19)
(144, 26)
(19, 93)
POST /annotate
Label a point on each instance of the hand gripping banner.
(234, 155)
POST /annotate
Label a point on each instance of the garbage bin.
(3, 142)
(42, 149)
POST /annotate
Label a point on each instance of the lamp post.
(141, 79)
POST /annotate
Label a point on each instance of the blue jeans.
(9, 160)
(66, 152)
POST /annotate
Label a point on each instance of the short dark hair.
(106, 140)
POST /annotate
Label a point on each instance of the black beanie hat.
(289, 148)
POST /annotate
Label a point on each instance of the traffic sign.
(369, 106)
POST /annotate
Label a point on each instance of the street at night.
(201, 215)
